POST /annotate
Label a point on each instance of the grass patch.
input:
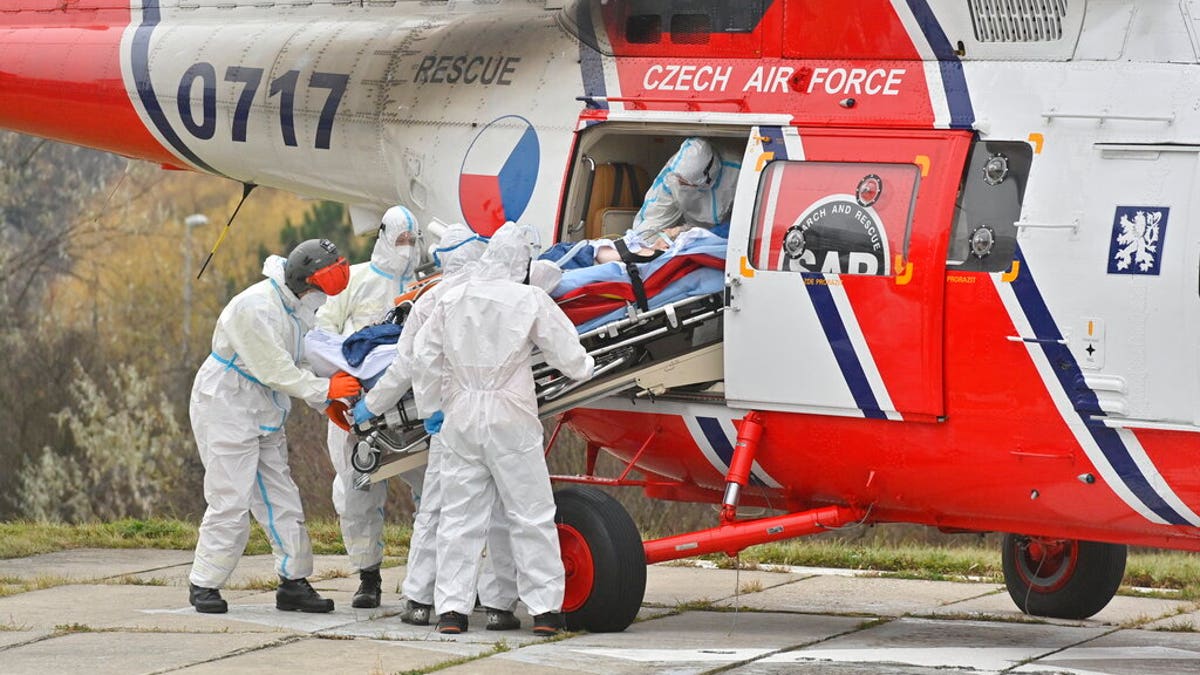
(751, 587)
(498, 647)
(13, 585)
(1177, 626)
(19, 539)
(1147, 568)
(1165, 569)
(918, 562)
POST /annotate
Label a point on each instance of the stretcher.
(650, 329)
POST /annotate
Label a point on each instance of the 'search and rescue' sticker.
(836, 235)
(1137, 239)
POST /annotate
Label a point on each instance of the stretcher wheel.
(1063, 578)
(364, 459)
(604, 561)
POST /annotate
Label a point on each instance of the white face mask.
(311, 301)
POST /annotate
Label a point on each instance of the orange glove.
(336, 412)
(343, 385)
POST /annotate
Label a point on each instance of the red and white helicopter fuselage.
(962, 283)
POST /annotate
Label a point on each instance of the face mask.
(312, 301)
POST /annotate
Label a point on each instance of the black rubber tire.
(619, 560)
(1098, 570)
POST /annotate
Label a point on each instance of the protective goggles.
(331, 279)
(446, 249)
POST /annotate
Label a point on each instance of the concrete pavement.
(126, 611)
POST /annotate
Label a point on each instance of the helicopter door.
(836, 271)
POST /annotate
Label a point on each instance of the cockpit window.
(690, 29)
(643, 27)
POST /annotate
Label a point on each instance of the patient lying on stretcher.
(692, 265)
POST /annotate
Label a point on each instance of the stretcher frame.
(396, 440)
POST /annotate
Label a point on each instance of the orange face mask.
(331, 279)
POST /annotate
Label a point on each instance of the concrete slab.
(1123, 610)
(477, 640)
(334, 656)
(257, 611)
(1125, 652)
(102, 653)
(695, 641)
(9, 638)
(865, 596)
(89, 564)
(112, 606)
(1184, 621)
(392, 578)
(977, 646)
(251, 571)
(669, 586)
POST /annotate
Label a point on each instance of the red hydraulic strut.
(733, 537)
(749, 433)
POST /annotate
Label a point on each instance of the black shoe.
(207, 600)
(548, 624)
(417, 613)
(370, 590)
(499, 619)
(452, 623)
(296, 595)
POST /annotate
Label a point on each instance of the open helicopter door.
(836, 271)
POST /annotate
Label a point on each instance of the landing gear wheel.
(364, 459)
(1063, 578)
(604, 560)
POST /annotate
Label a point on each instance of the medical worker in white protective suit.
(370, 294)
(240, 400)
(473, 362)
(457, 254)
(694, 189)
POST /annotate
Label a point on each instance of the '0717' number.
(204, 125)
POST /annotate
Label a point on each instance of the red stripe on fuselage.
(60, 74)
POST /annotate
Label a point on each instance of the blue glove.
(434, 423)
(361, 412)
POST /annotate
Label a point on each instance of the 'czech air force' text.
(774, 79)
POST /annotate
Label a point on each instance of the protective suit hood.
(459, 247)
(273, 269)
(696, 163)
(509, 252)
(388, 256)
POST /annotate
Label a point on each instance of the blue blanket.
(701, 242)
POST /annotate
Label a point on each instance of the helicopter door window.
(984, 238)
(833, 217)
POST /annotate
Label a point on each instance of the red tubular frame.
(730, 538)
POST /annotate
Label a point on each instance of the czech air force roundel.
(499, 173)
(836, 235)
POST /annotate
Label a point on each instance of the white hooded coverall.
(458, 253)
(240, 400)
(370, 294)
(706, 202)
(472, 360)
